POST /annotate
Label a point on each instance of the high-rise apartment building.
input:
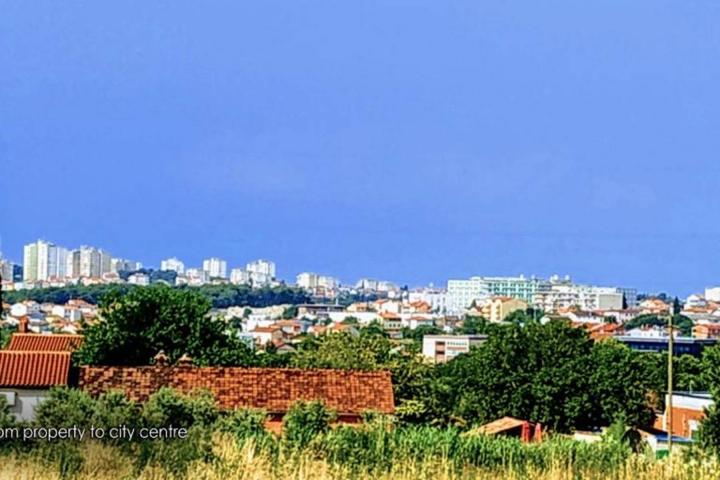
(173, 264)
(72, 264)
(89, 262)
(215, 267)
(261, 268)
(7, 269)
(239, 276)
(43, 260)
(30, 262)
(310, 281)
(124, 265)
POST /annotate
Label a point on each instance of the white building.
(215, 267)
(441, 348)
(43, 260)
(462, 293)
(196, 276)
(437, 299)
(712, 294)
(370, 284)
(239, 276)
(121, 264)
(584, 297)
(306, 280)
(262, 272)
(139, 279)
(173, 264)
(6, 270)
(314, 282)
(91, 262)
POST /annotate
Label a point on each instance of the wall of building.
(23, 402)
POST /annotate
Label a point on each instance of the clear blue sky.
(407, 140)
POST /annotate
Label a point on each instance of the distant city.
(46, 264)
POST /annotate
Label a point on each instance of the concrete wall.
(23, 402)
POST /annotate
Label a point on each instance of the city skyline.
(413, 141)
(220, 267)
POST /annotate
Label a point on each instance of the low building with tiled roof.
(33, 342)
(26, 377)
(275, 390)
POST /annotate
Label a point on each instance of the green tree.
(344, 351)
(139, 324)
(474, 325)
(536, 372)
(417, 334)
(522, 317)
(290, 312)
(5, 334)
(682, 322)
(619, 386)
(306, 420)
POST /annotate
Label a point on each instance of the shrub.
(114, 409)
(168, 408)
(243, 424)
(6, 418)
(306, 420)
(66, 408)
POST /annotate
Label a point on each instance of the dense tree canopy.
(220, 296)
(552, 374)
(135, 326)
(682, 322)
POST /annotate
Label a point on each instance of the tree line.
(220, 296)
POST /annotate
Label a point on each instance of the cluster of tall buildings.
(258, 273)
(44, 261)
(549, 295)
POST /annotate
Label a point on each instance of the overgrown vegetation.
(217, 441)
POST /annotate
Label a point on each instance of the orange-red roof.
(34, 369)
(272, 389)
(33, 342)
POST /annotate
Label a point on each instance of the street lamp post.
(669, 418)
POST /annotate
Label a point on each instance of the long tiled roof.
(272, 389)
(33, 369)
(33, 342)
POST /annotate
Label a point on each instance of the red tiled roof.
(272, 389)
(34, 369)
(33, 342)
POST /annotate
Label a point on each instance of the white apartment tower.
(43, 260)
(215, 267)
(173, 264)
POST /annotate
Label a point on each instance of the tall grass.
(246, 461)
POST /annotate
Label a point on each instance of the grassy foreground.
(246, 462)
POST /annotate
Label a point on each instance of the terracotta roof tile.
(34, 369)
(272, 389)
(33, 342)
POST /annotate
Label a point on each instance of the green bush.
(66, 408)
(306, 420)
(6, 418)
(113, 409)
(167, 408)
(244, 423)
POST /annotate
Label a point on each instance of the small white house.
(26, 378)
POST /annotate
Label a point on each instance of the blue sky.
(407, 140)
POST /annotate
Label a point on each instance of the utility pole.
(669, 416)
